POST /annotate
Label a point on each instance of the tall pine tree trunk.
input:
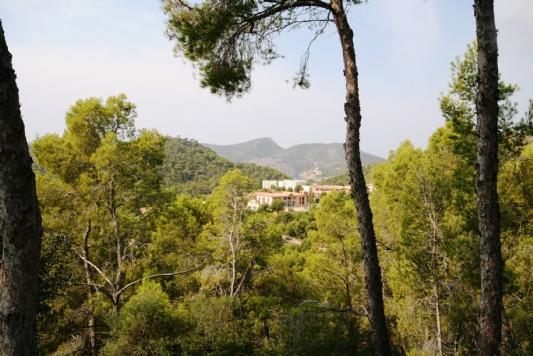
(20, 224)
(487, 196)
(376, 313)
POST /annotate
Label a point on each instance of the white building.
(282, 184)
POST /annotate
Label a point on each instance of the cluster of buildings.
(294, 194)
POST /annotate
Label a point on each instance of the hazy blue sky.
(65, 50)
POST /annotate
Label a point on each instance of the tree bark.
(20, 222)
(491, 263)
(376, 313)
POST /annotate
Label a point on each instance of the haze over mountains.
(305, 161)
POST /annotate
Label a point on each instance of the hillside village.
(291, 194)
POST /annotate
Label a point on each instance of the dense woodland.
(149, 249)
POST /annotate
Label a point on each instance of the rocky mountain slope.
(306, 161)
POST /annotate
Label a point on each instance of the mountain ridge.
(257, 148)
(312, 161)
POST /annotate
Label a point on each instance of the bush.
(277, 205)
(218, 328)
(146, 325)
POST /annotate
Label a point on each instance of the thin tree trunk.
(233, 251)
(491, 263)
(119, 240)
(436, 237)
(20, 222)
(437, 317)
(233, 268)
(91, 325)
(376, 313)
(119, 247)
(436, 295)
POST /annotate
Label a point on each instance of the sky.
(64, 50)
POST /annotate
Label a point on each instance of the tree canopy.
(227, 38)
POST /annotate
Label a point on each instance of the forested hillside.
(189, 167)
(342, 179)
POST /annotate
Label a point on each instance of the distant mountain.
(264, 147)
(306, 161)
(192, 168)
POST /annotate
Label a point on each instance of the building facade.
(292, 201)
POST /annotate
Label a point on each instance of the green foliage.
(231, 195)
(225, 39)
(226, 77)
(341, 179)
(296, 224)
(277, 205)
(333, 268)
(414, 197)
(515, 188)
(58, 300)
(426, 215)
(146, 325)
(192, 168)
(216, 328)
(259, 173)
(302, 296)
(269, 282)
(97, 184)
(173, 243)
(90, 120)
(459, 109)
(214, 35)
(312, 329)
(188, 164)
(227, 239)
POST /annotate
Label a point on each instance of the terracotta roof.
(278, 194)
(331, 187)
